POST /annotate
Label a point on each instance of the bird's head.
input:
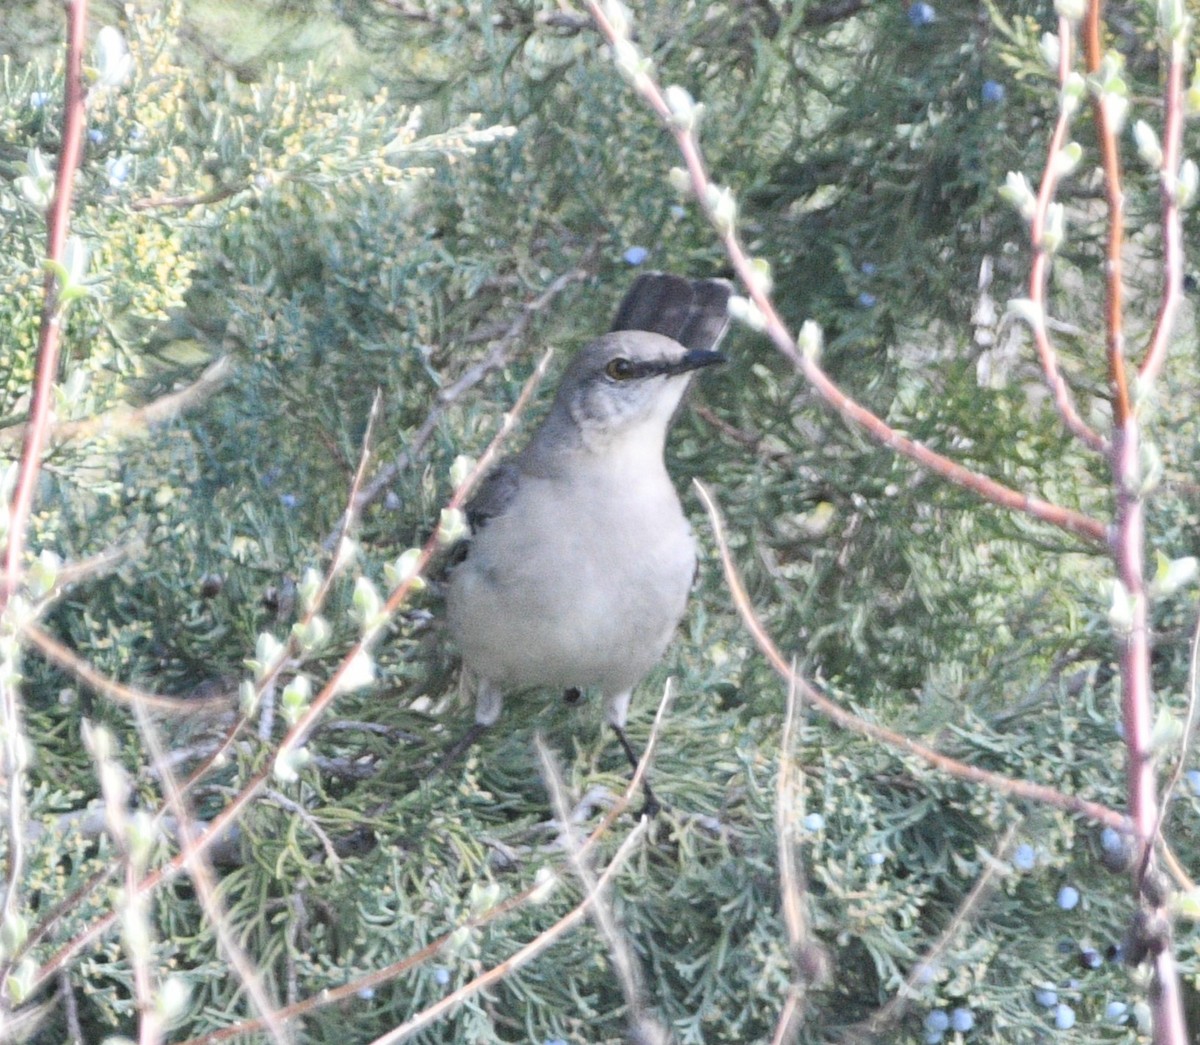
(628, 383)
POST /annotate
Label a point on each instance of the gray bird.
(580, 559)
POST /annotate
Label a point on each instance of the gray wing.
(692, 311)
(490, 499)
(494, 495)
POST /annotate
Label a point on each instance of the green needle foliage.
(415, 200)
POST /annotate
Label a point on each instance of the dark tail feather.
(692, 311)
(709, 316)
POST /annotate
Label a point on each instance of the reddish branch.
(1039, 270)
(1156, 354)
(1114, 308)
(295, 736)
(1126, 539)
(1129, 544)
(900, 743)
(853, 412)
(57, 223)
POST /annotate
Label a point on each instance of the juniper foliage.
(345, 198)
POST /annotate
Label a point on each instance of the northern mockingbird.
(578, 568)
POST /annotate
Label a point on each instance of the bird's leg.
(489, 699)
(460, 746)
(652, 806)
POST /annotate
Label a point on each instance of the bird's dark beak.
(695, 359)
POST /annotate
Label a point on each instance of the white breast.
(575, 586)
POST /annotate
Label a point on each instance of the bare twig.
(1129, 537)
(57, 224)
(70, 1009)
(750, 440)
(1172, 862)
(832, 12)
(127, 420)
(374, 979)
(791, 875)
(1185, 742)
(320, 703)
(310, 821)
(97, 565)
(13, 747)
(1172, 224)
(352, 511)
(806, 362)
(1106, 135)
(1040, 268)
(201, 874)
(198, 199)
(898, 741)
(133, 918)
(129, 696)
(540, 943)
(623, 959)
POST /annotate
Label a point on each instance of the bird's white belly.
(587, 603)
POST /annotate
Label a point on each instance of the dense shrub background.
(360, 196)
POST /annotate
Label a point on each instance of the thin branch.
(1173, 864)
(352, 989)
(1106, 135)
(70, 1009)
(198, 199)
(787, 815)
(749, 440)
(1129, 547)
(201, 873)
(300, 730)
(881, 734)
(624, 961)
(1040, 269)
(310, 821)
(524, 955)
(832, 12)
(807, 958)
(57, 225)
(353, 508)
(127, 420)
(806, 363)
(1185, 742)
(128, 696)
(14, 745)
(149, 1020)
(99, 565)
(1173, 252)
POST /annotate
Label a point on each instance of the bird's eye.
(619, 369)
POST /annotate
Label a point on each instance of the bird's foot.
(459, 748)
